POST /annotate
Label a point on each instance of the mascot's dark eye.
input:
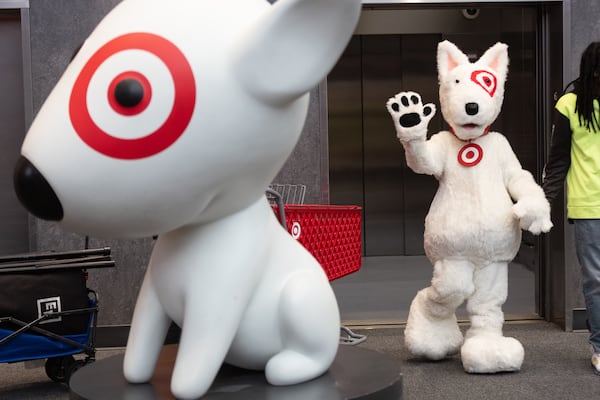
(457, 81)
(486, 80)
(129, 92)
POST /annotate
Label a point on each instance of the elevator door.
(13, 217)
(366, 162)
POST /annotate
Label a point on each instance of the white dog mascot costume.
(473, 227)
(172, 119)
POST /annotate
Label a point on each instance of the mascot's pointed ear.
(496, 58)
(293, 46)
(449, 57)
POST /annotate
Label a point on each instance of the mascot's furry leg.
(431, 330)
(485, 349)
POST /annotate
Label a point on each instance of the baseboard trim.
(580, 319)
(111, 336)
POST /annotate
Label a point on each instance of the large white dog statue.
(473, 227)
(172, 119)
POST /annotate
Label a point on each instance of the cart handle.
(103, 251)
(279, 201)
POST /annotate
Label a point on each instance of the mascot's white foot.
(491, 353)
(430, 336)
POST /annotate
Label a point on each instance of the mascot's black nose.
(35, 193)
(472, 108)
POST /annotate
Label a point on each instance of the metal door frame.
(23, 7)
(566, 16)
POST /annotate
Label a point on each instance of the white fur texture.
(240, 287)
(473, 228)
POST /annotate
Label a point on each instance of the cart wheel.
(74, 367)
(57, 368)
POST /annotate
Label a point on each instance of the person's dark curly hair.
(587, 87)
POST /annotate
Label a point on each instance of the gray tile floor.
(381, 291)
(28, 380)
(556, 367)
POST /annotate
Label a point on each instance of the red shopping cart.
(331, 233)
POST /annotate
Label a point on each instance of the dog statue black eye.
(129, 93)
(457, 81)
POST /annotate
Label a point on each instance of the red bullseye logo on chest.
(134, 97)
(470, 155)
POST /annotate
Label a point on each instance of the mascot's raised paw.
(410, 116)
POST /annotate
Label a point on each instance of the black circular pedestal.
(356, 373)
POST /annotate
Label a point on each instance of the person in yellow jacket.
(575, 155)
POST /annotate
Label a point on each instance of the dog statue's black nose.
(472, 108)
(35, 193)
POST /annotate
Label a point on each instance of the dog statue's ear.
(293, 46)
(449, 57)
(496, 58)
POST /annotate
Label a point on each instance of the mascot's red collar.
(485, 132)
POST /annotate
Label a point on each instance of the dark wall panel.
(58, 28)
(14, 232)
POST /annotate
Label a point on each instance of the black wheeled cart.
(47, 311)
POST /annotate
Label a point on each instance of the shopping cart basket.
(46, 309)
(331, 233)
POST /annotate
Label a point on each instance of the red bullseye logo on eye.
(130, 93)
(486, 80)
(470, 155)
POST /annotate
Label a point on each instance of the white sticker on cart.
(296, 230)
(49, 305)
